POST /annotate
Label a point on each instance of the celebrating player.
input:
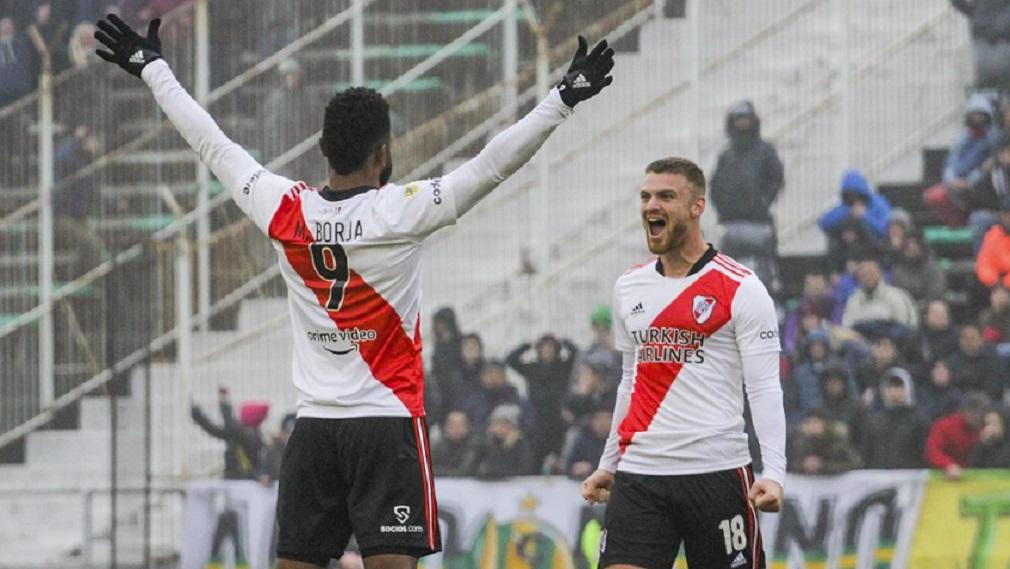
(695, 328)
(350, 255)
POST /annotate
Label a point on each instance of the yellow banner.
(964, 524)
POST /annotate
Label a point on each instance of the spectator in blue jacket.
(857, 225)
(963, 167)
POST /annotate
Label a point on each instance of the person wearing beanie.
(506, 450)
(244, 445)
(244, 455)
(601, 352)
(894, 435)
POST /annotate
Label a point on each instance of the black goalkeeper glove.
(587, 75)
(126, 48)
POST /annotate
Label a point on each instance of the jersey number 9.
(330, 262)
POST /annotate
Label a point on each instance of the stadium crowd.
(65, 27)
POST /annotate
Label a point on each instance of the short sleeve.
(417, 209)
(622, 338)
(755, 320)
(259, 194)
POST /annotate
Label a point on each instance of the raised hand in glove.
(126, 48)
(587, 75)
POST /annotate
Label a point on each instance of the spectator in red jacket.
(953, 436)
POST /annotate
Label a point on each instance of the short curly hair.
(355, 122)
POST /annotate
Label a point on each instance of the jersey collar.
(698, 266)
(332, 195)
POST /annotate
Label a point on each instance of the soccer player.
(696, 329)
(350, 254)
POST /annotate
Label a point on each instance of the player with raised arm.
(350, 255)
(696, 330)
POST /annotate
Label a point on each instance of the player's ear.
(698, 206)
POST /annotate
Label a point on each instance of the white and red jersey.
(685, 341)
(352, 259)
(352, 264)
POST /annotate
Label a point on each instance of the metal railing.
(178, 227)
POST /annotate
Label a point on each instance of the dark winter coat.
(748, 176)
(244, 450)
(894, 437)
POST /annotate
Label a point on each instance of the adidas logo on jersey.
(739, 561)
(137, 57)
(638, 309)
(580, 82)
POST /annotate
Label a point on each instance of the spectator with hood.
(802, 392)
(916, 272)
(990, 34)
(244, 446)
(17, 75)
(899, 227)
(993, 448)
(991, 193)
(746, 181)
(547, 382)
(993, 264)
(447, 356)
(975, 364)
(952, 438)
(858, 224)
(963, 167)
(458, 387)
(840, 403)
(895, 434)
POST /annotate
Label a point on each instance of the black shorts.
(370, 477)
(648, 517)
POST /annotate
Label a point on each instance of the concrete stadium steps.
(257, 369)
(587, 203)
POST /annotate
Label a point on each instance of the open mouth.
(656, 226)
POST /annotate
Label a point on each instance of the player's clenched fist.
(766, 495)
(596, 488)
